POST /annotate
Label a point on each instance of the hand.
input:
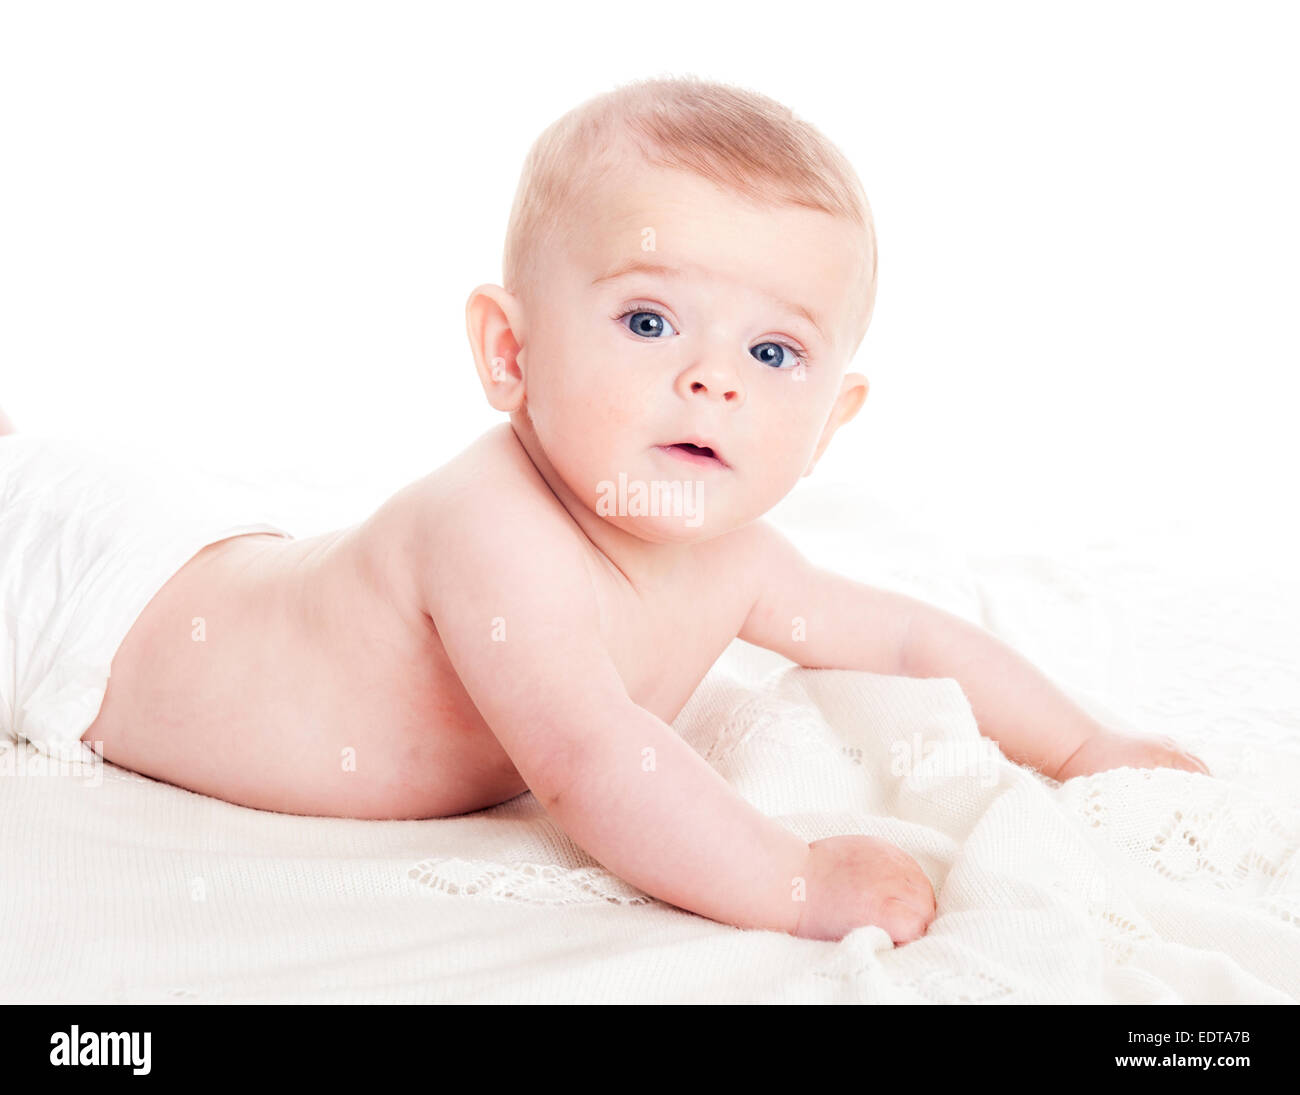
(1113, 749)
(853, 881)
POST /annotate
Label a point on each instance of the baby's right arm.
(520, 625)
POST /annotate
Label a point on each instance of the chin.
(676, 529)
(673, 508)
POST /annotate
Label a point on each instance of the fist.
(853, 881)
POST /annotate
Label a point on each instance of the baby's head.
(685, 262)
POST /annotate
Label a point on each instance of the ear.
(853, 393)
(492, 317)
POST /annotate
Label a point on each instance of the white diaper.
(87, 537)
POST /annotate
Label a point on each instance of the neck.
(644, 564)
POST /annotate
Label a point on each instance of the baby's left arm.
(826, 621)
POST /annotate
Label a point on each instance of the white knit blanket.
(1127, 886)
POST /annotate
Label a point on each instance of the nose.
(712, 379)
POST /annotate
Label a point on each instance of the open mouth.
(697, 454)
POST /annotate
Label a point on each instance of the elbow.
(577, 753)
(550, 794)
(552, 778)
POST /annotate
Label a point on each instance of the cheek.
(792, 422)
(592, 407)
(583, 419)
(594, 389)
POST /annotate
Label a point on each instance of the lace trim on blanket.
(1234, 840)
(531, 883)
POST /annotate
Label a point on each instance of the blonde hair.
(738, 139)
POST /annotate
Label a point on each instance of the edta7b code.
(1164, 1037)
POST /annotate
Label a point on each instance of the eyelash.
(799, 355)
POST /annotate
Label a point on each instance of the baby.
(690, 270)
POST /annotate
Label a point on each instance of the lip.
(698, 459)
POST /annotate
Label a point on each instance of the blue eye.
(775, 354)
(648, 324)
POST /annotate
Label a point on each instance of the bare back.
(307, 676)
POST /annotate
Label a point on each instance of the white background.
(247, 231)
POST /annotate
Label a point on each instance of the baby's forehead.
(674, 212)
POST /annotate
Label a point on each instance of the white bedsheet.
(1127, 886)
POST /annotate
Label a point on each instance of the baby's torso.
(303, 676)
(271, 673)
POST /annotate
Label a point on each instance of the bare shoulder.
(762, 545)
(760, 556)
(484, 509)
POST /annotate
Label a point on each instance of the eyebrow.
(659, 269)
